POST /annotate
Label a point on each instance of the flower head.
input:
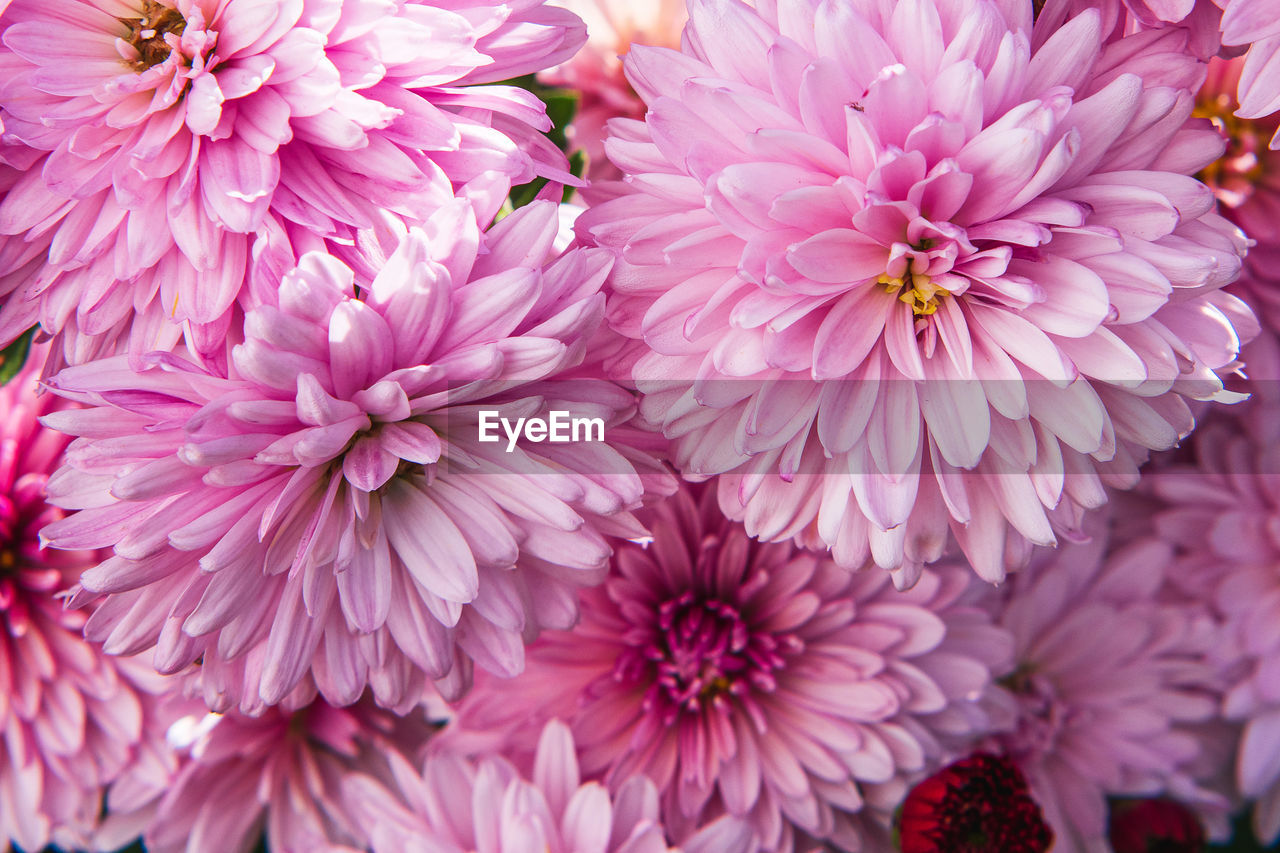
(1218, 508)
(954, 279)
(457, 805)
(1115, 686)
(72, 720)
(757, 680)
(147, 140)
(327, 512)
(281, 773)
(977, 804)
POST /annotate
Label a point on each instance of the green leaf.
(562, 106)
(14, 356)
(525, 193)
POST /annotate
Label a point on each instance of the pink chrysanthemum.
(456, 805)
(958, 277)
(758, 680)
(1116, 687)
(1255, 24)
(1214, 28)
(146, 140)
(1221, 509)
(71, 719)
(278, 777)
(1246, 180)
(325, 515)
(595, 72)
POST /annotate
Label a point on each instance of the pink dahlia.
(595, 72)
(1221, 510)
(278, 777)
(957, 278)
(71, 719)
(146, 141)
(758, 680)
(1115, 687)
(455, 805)
(326, 513)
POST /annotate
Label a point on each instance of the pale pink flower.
(146, 140)
(1116, 686)
(324, 514)
(595, 72)
(278, 777)
(757, 680)
(72, 720)
(958, 277)
(456, 805)
(1221, 510)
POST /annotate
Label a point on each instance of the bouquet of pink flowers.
(588, 426)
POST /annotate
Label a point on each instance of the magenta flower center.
(1041, 713)
(147, 34)
(699, 651)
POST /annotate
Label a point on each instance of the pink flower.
(595, 72)
(72, 720)
(1256, 24)
(1116, 686)
(146, 141)
(757, 680)
(1246, 180)
(1220, 510)
(456, 805)
(957, 278)
(326, 514)
(281, 773)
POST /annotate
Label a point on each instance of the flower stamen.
(147, 33)
(922, 296)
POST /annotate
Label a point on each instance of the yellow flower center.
(1245, 140)
(917, 290)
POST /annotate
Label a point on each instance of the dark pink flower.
(72, 720)
(757, 680)
(976, 805)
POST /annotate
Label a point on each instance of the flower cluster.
(591, 426)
